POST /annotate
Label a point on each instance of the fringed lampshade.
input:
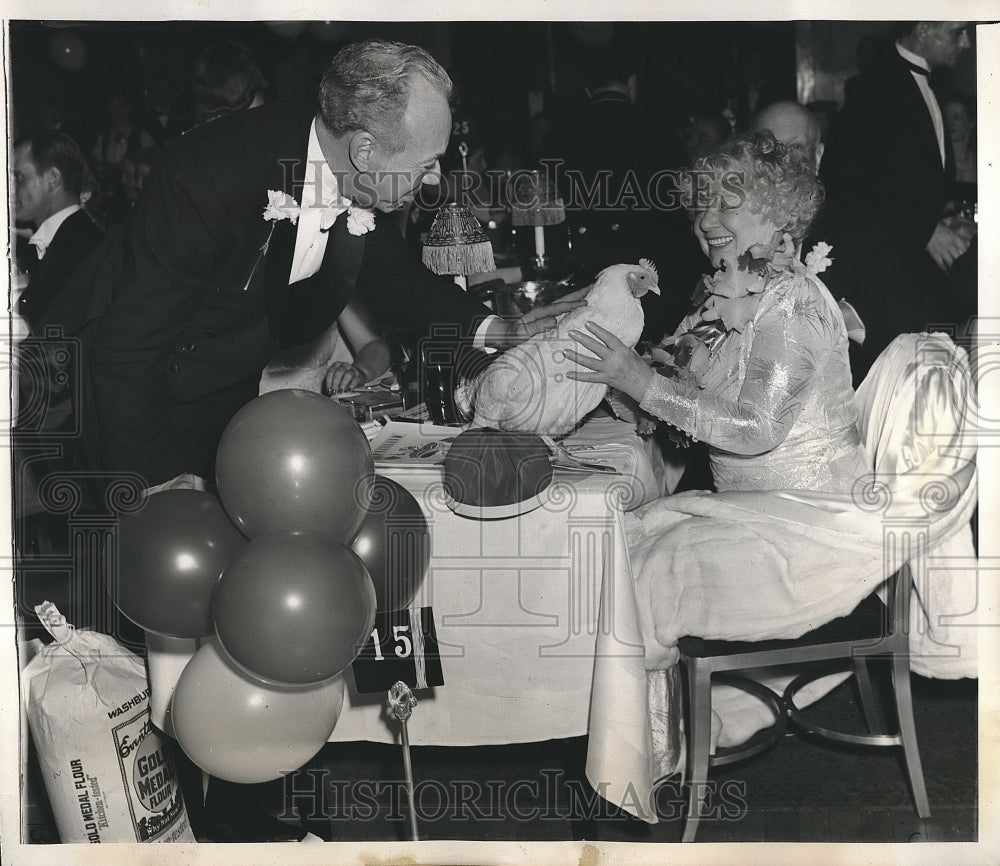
(457, 244)
(534, 202)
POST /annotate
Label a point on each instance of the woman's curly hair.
(776, 181)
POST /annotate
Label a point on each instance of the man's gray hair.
(367, 86)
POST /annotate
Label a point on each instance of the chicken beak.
(639, 284)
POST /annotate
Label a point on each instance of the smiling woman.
(759, 370)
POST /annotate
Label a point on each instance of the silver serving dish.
(516, 299)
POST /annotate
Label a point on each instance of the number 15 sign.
(402, 646)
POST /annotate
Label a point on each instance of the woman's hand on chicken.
(612, 362)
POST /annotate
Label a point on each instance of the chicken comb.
(648, 265)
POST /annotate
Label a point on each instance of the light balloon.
(241, 730)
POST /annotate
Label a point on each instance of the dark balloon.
(294, 607)
(241, 730)
(295, 460)
(394, 544)
(170, 557)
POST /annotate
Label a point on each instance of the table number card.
(402, 646)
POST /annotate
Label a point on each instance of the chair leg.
(699, 742)
(869, 706)
(908, 733)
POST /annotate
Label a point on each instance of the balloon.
(68, 51)
(170, 557)
(295, 460)
(294, 607)
(394, 544)
(243, 731)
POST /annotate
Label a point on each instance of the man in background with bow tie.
(240, 244)
(886, 170)
(48, 174)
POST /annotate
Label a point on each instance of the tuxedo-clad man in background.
(48, 173)
(192, 294)
(886, 171)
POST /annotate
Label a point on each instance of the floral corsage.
(818, 258)
(360, 220)
(725, 302)
(281, 206)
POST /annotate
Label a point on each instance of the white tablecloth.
(539, 637)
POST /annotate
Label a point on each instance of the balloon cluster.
(283, 578)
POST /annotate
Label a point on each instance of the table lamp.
(457, 244)
(534, 203)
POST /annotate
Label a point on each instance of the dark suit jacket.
(189, 297)
(76, 239)
(886, 189)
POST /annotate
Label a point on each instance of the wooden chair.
(872, 630)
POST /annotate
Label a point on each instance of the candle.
(540, 241)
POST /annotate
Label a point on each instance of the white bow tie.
(330, 213)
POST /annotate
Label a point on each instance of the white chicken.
(526, 389)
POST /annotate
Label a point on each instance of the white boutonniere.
(281, 206)
(360, 220)
(818, 258)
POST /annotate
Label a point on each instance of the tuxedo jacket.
(885, 182)
(886, 189)
(190, 296)
(76, 238)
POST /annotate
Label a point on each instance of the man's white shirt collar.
(321, 204)
(41, 240)
(915, 59)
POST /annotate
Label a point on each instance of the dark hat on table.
(492, 473)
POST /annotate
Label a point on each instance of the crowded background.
(626, 97)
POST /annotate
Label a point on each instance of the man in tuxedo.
(48, 171)
(253, 233)
(886, 172)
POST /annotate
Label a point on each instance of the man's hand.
(187, 481)
(504, 333)
(950, 240)
(341, 377)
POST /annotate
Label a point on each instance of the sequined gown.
(775, 405)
